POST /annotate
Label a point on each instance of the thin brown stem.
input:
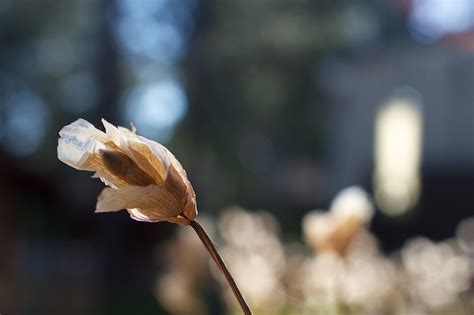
(207, 242)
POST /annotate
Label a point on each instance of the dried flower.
(142, 175)
(351, 210)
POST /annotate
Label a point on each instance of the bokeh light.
(432, 19)
(26, 122)
(156, 108)
(155, 29)
(398, 148)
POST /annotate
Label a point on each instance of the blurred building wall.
(358, 85)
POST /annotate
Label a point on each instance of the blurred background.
(269, 105)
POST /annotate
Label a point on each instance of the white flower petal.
(79, 147)
(138, 215)
(112, 132)
(78, 142)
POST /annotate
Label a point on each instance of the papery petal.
(178, 174)
(112, 132)
(124, 167)
(159, 151)
(154, 200)
(156, 165)
(83, 129)
(150, 156)
(190, 208)
(79, 147)
(140, 215)
(78, 142)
